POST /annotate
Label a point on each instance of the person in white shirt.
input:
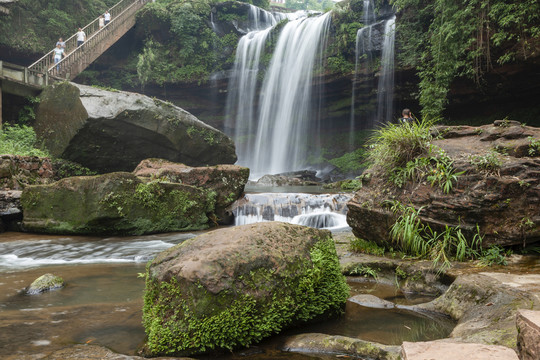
(81, 37)
(58, 54)
(107, 17)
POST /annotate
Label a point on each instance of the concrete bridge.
(29, 81)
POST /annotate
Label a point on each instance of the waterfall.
(285, 99)
(385, 91)
(363, 47)
(241, 111)
(260, 19)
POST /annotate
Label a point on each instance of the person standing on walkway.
(107, 17)
(101, 22)
(58, 54)
(81, 37)
(62, 43)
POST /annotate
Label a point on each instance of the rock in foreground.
(230, 288)
(115, 130)
(115, 203)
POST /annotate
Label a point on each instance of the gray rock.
(453, 350)
(44, 283)
(371, 301)
(113, 131)
(336, 344)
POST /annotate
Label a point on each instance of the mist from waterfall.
(385, 91)
(272, 131)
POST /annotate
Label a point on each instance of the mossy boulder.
(115, 203)
(227, 181)
(109, 131)
(44, 283)
(232, 287)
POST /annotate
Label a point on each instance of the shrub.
(20, 140)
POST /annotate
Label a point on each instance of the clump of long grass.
(394, 145)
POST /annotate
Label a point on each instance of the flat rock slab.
(528, 324)
(371, 301)
(441, 350)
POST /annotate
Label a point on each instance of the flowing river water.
(102, 301)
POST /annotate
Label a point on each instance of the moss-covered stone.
(44, 283)
(115, 203)
(230, 288)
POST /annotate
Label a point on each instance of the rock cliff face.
(113, 131)
(499, 190)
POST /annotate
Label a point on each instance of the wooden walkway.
(97, 42)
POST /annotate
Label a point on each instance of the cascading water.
(363, 47)
(243, 89)
(385, 92)
(325, 211)
(280, 121)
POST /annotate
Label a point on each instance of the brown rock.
(503, 202)
(528, 343)
(443, 350)
(228, 181)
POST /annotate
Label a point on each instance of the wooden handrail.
(119, 13)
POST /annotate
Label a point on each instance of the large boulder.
(228, 181)
(115, 203)
(232, 287)
(499, 189)
(110, 131)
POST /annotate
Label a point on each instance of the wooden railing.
(120, 13)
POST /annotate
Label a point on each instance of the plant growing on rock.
(20, 140)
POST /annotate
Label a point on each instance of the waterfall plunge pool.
(102, 301)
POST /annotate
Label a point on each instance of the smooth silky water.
(102, 301)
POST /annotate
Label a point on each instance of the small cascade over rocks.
(322, 211)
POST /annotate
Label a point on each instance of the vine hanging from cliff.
(445, 39)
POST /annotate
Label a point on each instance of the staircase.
(97, 42)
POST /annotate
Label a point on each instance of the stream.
(102, 301)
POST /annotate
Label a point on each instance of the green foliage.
(366, 247)
(35, 26)
(351, 184)
(416, 239)
(534, 146)
(65, 168)
(394, 145)
(175, 326)
(320, 5)
(494, 255)
(489, 163)
(20, 140)
(364, 270)
(350, 162)
(27, 114)
(445, 39)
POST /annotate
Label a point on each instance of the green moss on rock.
(256, 288)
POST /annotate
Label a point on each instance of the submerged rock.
(44, 283)
(371, 301)
(115, 130)
(340, 345)
(499, 190)
(232, 287)
(115, 203)
(228, 181)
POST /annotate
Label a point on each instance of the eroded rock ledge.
(501, 199)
